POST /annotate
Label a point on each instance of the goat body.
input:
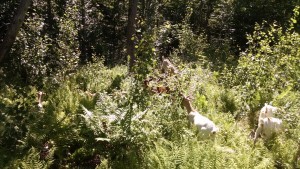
(267, 123)
(267, 127)
(203, 124)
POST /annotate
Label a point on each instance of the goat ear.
(181, 95)
(190, 97)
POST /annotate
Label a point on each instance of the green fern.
(32, 160)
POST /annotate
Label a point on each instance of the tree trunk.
(132, 12)
(14, 28)
(82, 34)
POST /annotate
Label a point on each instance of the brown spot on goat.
(155, 89)
(162, 89)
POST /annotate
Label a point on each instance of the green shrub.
(32, 160)
(269, 66)
(268, 71)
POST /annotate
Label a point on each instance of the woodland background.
(234, 56)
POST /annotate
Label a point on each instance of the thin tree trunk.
(132, 12)
(14, 28)
(82, 34)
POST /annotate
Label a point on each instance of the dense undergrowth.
(130, 127)
(151, 132)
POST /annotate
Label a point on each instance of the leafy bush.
(268, 72)
(268, 66)
(181, 41)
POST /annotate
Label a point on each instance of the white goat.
(267, 127)
(168, 67)
(267, 123)
(205, 126)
